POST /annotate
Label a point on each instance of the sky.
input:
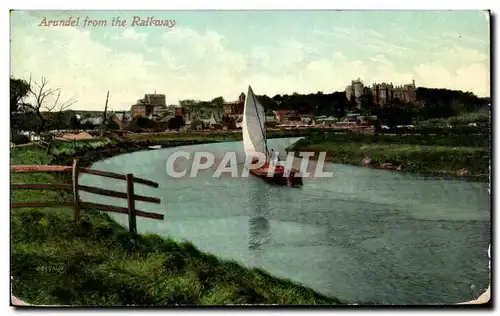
(207, 54)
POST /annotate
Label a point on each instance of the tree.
(144, 122)
(228, 122)
(74, 122)
(445, 103)
(353, 103)
(191, 108)
(41, 96)
(367, 103)
(111, 125)
(197, 124)
(278, 99)
(177, 122)
(397, 113)
(268, 103)
(19, 89)
(340, 105)
(218, 103)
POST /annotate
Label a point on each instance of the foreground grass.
(95, 262)
(415, 153)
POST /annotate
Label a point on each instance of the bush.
(176, 123)
(20, 139)
(140, 123)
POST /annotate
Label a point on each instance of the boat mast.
(260, 123)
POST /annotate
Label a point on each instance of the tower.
(241, 98)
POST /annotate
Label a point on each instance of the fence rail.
(52, 168)
(43, 144)
(117, 194)
(41, 186)
(76, 187)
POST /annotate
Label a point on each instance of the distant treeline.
(436, 103)
(431, 103)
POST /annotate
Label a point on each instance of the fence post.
(131, 204)
(76, 197)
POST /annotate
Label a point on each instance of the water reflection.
(259, 226)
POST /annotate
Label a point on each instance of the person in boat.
(273, 159)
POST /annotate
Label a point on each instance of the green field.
(427, 154)
(70, 147)
(475, 117)
(96, 263)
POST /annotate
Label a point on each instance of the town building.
(235, 108)
(93, 120)
(325, 120)
(155, 99)
(355, 90)
(348, 92)
(164, 121)
(159, 111)
(271, 118)
(152, 105)
(383, 93)
(138, 110)
(285, 115)
(122, 119)
(213, 121)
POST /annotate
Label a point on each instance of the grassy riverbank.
(235, 135)
(427, 154)
(94, 262)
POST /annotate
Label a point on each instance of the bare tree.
(41, 94)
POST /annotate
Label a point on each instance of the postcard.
(264, 158)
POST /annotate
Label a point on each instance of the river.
(363, 235)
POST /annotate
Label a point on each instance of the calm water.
(364, 235)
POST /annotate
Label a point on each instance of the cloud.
(131, 34)
(203, 65)
(474, 77)
(52, 14)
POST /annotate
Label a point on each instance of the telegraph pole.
(103, 126)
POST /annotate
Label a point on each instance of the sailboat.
(255, 142)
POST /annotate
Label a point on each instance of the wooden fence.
(77, 204)
(43, 144)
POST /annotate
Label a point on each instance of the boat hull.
(278, 177)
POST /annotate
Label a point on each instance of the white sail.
(253, 125)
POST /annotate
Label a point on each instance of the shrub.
(19, 139)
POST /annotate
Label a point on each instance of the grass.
(439, 154)
(95, 262)
(235, 135)
(474, 117)
(69, 147)
(471, 140)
